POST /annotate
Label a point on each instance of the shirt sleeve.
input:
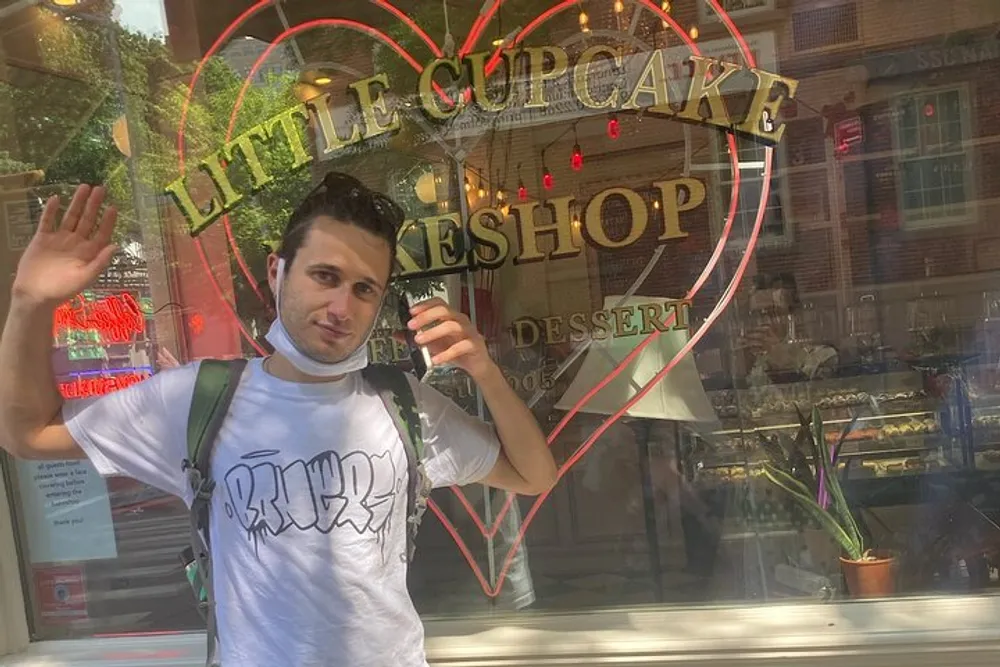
(459, 448)
(139, 431)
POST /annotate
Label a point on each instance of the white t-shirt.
(308, 516)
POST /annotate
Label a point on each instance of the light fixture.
(694, 32)
(619, 6)
(501, 195)
(614, 129)
(576, 220)
(576, 161)
(547, 181)
(468, 184)
(584, 21)
(656, 204)
(522, 192)
(322, 80)
(505, 209)
(481, 191)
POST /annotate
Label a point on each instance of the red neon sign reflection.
(88, 387)
(117, 318)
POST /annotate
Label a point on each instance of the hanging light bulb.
(576, 220)
(505, 209)
(522, 192)
(501, 195)
(481, 191)
(614, 129)
(468, 184)
(694, 32)
(584, 21)
(547, 181)
(619, 6)
(656, 204)
(576, 161)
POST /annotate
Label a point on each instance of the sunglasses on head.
(340, 188)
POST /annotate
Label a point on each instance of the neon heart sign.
(434, 97)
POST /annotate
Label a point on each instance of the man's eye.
(326, 277)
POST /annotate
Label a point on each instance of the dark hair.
(347, 200)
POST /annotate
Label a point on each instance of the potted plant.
(807, 471)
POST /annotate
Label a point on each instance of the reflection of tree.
(93, 74)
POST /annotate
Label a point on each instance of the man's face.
(333, 289)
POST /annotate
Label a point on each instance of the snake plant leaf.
(791, 486)
(832, 481)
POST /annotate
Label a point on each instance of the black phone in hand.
(419, 355)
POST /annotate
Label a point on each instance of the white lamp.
(679, 396)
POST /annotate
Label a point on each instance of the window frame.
(971, 209)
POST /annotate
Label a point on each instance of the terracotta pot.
(872, 578)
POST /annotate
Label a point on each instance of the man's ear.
(272, 272)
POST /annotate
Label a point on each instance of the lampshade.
(679, 396)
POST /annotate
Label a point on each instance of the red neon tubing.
(478, 27)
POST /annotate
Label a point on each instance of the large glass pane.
(607, 236)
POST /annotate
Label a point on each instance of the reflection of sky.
(145, 16)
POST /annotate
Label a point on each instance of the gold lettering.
(528, 231)
(320, 106)
(623, 321)
(652, 318)
(553, 330)
(477, 62)
(374, 104)
(492, 245)
(669, 193)
(537, 74)
(377, 351)
(595, 224)
(286, 120)
(197, 219)
(681, 313)
(407, 264)
(213, 166)
(602, 329)
(581, 77)
(755, 122)
(702, 91)
(442, 251)
(578, 327)
(399, 350)
(244, 143)
(429, 97)
(520, 341)
(657, 86)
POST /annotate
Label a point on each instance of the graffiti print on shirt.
(353, 491)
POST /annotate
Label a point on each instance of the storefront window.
(738, 258)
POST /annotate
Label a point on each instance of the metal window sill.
(915, 632)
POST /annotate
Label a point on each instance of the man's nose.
(339, 305)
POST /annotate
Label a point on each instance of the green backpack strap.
(393, 387)
(214, 389)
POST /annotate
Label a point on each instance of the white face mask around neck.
(278, 336)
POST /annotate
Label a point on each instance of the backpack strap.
(392, 386)
(214, 389)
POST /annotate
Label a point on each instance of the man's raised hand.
(65, 256)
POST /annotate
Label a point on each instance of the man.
(308, 520)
